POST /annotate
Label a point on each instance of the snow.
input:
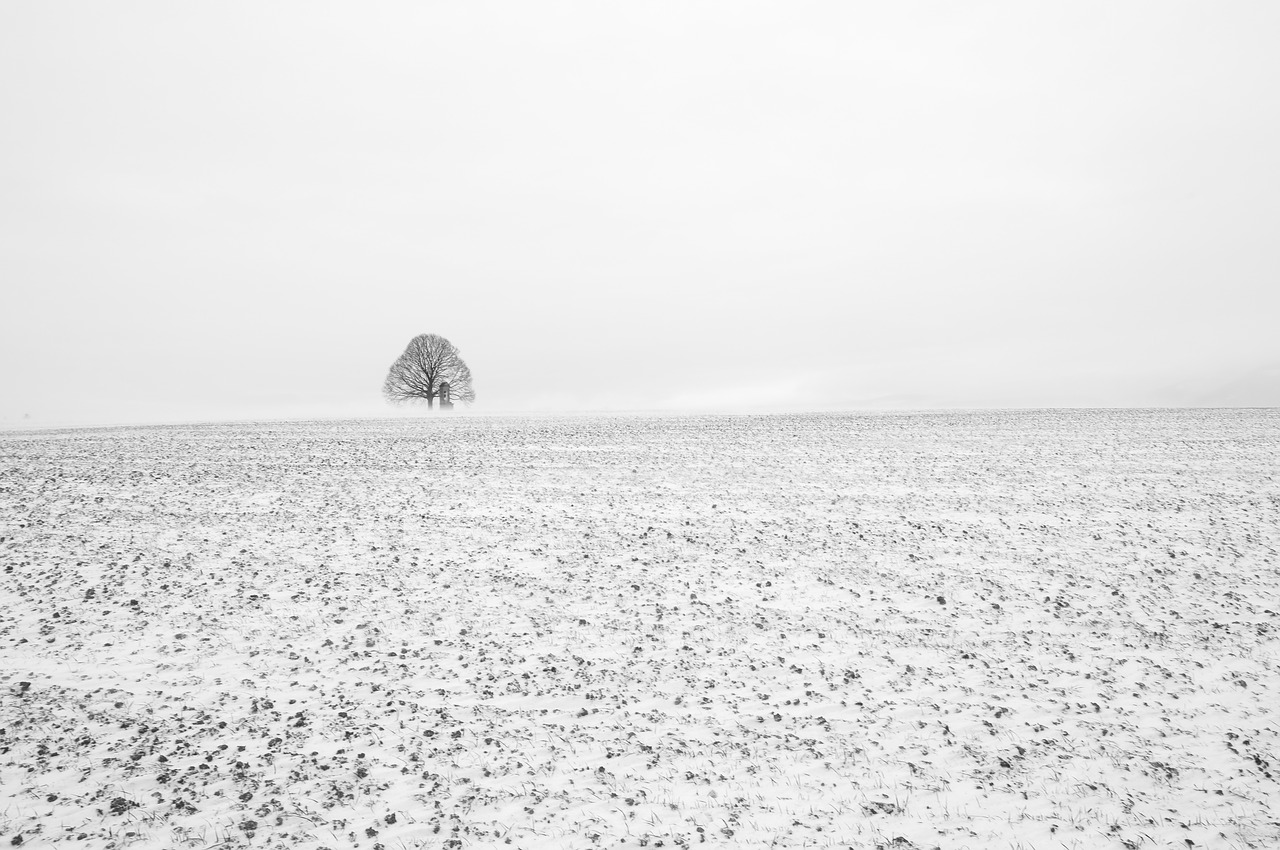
(1035, 629)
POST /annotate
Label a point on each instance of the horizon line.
(28, 427)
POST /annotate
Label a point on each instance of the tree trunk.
(431, 402)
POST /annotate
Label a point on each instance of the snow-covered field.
(1008, 630)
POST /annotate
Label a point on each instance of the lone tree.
(428, 362)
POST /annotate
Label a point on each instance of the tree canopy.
(429, 363)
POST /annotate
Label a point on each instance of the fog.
(234, 210)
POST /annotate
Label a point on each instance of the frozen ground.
(1009, 630)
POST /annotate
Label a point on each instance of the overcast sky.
(229, 210)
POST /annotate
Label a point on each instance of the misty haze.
(581, 425)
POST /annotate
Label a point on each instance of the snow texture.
(1016, 629)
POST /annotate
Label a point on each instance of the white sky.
(224, 210)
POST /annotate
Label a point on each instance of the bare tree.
(427, 362)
